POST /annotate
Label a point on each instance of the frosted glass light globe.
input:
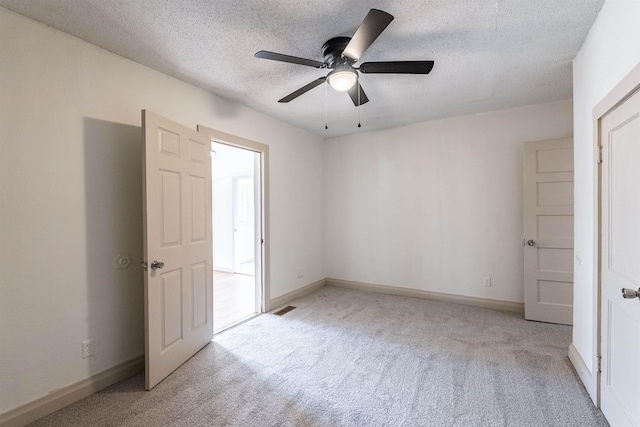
(342, 80)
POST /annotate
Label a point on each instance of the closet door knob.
(630, 293)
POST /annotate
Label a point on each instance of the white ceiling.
(489, 54)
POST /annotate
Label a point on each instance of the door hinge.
(599, 364)
(599, 154)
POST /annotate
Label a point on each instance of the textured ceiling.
(489, 54)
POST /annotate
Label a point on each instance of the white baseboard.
(584, 373)
(516, 307)
(65, 396)
(282, 300)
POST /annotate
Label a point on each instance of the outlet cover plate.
(88, 349)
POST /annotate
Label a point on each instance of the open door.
(178, 284)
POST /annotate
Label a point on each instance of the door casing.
(263, 233)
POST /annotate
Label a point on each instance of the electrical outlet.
(487, 282)
(300, 273)
(88, 349)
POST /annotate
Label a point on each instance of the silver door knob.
(157, 264)
(531, 242)
(630, 293)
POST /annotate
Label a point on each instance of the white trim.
(583, 371)
(283, 299)
(65, 396)
(516, 307)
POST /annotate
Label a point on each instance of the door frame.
(263, 149)
(627, 87)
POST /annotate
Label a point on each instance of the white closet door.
(620, 264)
(548, 231)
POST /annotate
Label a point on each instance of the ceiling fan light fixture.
(342, 79)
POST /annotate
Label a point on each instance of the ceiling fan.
(340, 55)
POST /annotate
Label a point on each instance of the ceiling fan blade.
(303, 90)
(288, 58)
(373, 25)
(399, 67)
(353, 93)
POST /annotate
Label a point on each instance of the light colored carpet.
(351, 358)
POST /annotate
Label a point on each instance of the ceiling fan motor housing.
(332, 52)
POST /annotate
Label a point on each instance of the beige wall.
(70, 201)
(608, 54)
(435, 206)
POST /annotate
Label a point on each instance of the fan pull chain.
(326, 115)
(359, 116)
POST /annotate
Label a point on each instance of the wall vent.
(284, 310)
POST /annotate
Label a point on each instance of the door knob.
(157, 264)
(630, 293)
(531, 242)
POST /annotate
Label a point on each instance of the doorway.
(236, 207)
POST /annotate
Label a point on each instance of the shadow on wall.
(113, 194)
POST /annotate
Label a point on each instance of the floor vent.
(284, 310)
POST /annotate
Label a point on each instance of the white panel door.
(620, 264)
(548, 231)
(178, 285)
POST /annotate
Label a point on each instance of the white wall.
(608, 54)
(70, 166)
(435, 206)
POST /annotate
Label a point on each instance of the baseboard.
(516, 307)
(584, 373)
(65, 396)
(282, 300)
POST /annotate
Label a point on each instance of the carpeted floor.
(351, 358)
